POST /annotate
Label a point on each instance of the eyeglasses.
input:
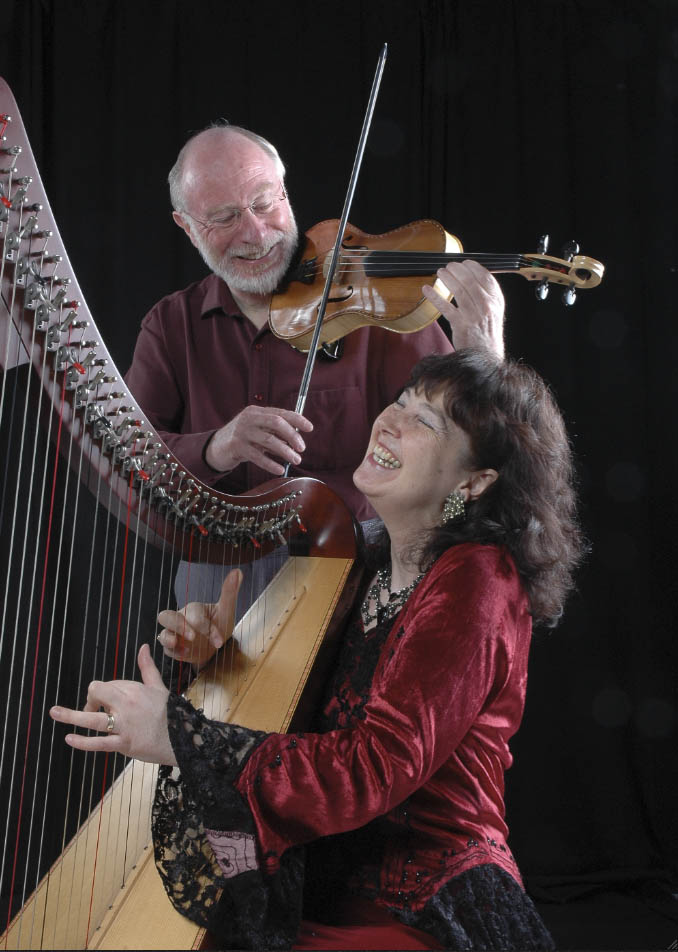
(262, 206)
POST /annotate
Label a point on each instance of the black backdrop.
(503, 119)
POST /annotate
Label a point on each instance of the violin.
(378, 279)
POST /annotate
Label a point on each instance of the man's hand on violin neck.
(266, 436)
(477, 314)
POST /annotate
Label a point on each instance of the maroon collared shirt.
(198, 362)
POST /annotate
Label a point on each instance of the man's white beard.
(264, 283)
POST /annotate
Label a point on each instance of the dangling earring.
(453, 508)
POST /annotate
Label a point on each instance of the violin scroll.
(574, 272)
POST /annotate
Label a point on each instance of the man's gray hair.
(175, 177)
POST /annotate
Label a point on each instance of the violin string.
(376, 263)
(446, 255)
(427, 264)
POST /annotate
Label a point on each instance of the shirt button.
(259, 397)
(259, 346)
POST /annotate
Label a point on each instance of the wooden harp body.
(85, 571)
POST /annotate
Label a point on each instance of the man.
(220, 387)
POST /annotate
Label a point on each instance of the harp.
(94, 514)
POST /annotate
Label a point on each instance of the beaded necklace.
(395, 602)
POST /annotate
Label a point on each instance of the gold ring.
(111, 723)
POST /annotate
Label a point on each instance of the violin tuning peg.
(542, 289)
(569, 296)
(543, 244)
(570, 250)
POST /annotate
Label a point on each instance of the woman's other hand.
(131, 717)
(198, 630)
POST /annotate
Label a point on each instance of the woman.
(384, 828)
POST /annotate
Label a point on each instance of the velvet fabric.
(395, 794)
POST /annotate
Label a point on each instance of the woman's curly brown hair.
(516, 428)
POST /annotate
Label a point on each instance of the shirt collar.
(219, 298)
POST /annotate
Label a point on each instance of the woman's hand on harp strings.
(131, 717)
(198, 630)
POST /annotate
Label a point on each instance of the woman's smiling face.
(416, 456)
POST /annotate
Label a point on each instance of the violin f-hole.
(343, 295)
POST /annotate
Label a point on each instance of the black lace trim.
(219, 886)
(210, 754)
(349, 690)
(482, 908)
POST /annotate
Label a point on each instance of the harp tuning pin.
(570, 250)
(542, 244)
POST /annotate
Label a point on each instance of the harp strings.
(87, 571)
(39, 517)
(18, 550)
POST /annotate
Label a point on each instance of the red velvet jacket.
(428, 748)
(407, 771)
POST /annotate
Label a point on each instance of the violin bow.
(367, 121)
